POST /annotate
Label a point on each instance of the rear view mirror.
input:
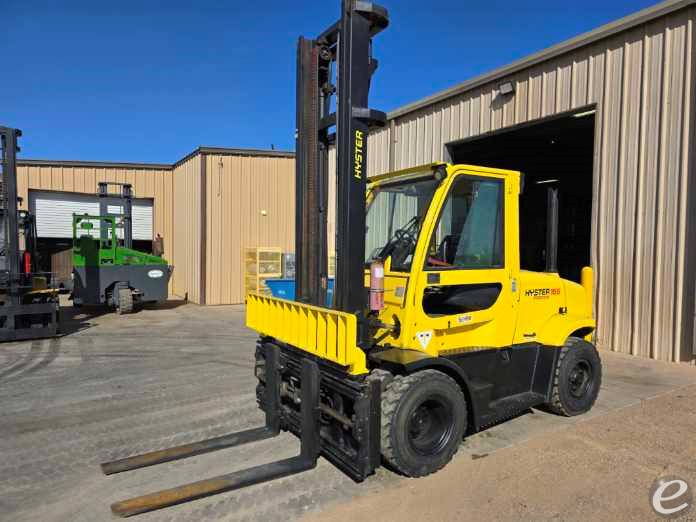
(86, 225)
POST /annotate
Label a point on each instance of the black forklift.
(29, 307)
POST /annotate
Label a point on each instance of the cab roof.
(446, 169)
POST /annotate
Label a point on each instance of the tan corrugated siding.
(186, 218)
(240, 190)
(687, 269)
(238, 187)
(641, 83)
(147, 183)
(379, 141)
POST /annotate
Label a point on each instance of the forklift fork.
(306, 460)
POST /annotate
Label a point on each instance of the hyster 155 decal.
(542, 293)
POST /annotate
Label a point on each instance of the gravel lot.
(114, 386)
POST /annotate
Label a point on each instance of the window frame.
(398, 183)
(499, 181)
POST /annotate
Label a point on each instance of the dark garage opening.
(559, 149)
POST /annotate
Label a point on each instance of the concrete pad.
(122, 385)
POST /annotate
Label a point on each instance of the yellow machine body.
(437, 332)
(322, 332)
(531, 307)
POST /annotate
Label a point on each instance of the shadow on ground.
(76, 319)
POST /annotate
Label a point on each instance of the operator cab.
(448, 236)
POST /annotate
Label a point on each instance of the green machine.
(106, 268)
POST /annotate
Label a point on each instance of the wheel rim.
(430, 425)
(581, 377)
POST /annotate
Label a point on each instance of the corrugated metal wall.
(147, 182)
(186, 251)
(641, 83)
(250, 203)
(205, 215)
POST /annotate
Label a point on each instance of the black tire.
(125, 301)
(577, 379)
(423, 422)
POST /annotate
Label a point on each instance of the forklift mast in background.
(27, 226)
(346, 49)
(18, 259)
(29, 306)
(10, 267)
(126, 200)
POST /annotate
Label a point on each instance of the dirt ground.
(115, 386)
(601, 469)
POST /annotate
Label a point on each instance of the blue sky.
(148, 81)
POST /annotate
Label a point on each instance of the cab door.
(466, 292)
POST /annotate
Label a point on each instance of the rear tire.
(577, 379)
(423, 422)
(125, 301)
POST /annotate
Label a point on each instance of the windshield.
(394, 219)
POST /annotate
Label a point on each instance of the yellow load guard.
(326, 333)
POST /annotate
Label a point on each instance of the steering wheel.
(401, 248)
(401, 244)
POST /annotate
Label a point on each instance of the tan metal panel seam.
(203, 230)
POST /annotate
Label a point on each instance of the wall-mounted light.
(264, 213)
(506, 88)
(583, 114)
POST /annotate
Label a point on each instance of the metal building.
(54, 190)
(207, 207)
(226, 200)
(609, 114)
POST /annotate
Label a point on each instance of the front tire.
(577, 379)
(125, 301)
(423, 422)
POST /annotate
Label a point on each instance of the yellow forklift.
(435, 331)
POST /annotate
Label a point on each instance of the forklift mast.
(18, 259)
(27, 226)
(126, 199)
(345, 49)
(9, 256)
(29, 307)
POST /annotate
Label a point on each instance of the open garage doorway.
(558, 151)
(54, 212)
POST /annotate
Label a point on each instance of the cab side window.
(469, 233)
